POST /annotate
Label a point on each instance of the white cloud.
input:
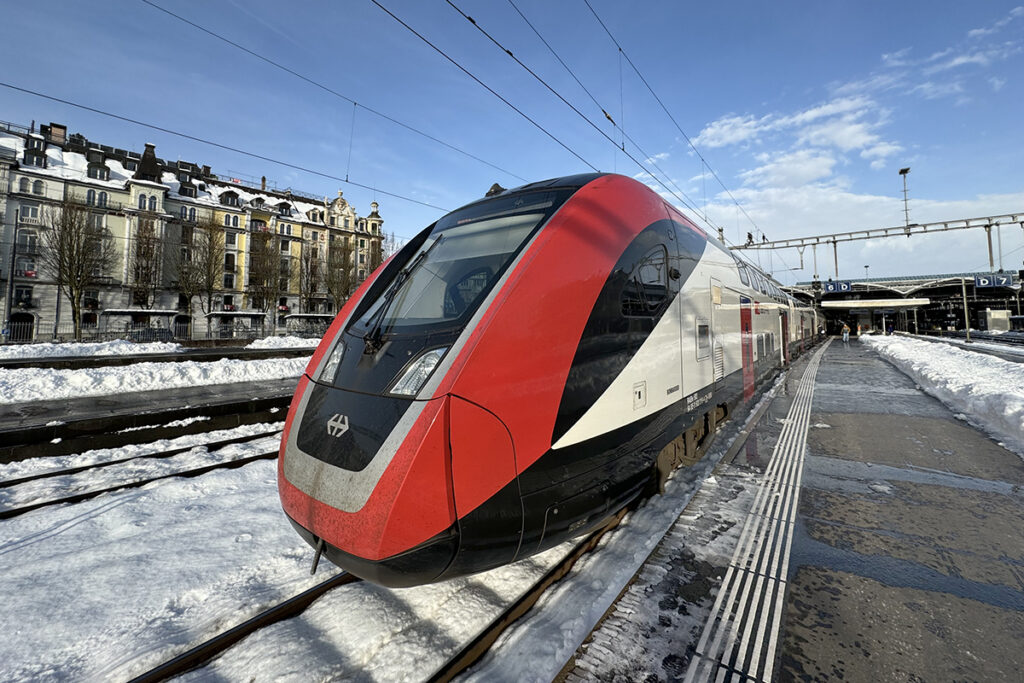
(790, 170)
(1015, 13)
(897, 58)
(846, 133)
(656, 158)
(730, 130)
(997, 83)
(873, 84)
(932, 91)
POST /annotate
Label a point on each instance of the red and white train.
(518, 372)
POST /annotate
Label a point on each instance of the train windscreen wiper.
(372, 339)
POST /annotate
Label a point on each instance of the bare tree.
(310, 276)
(270, 274)
(145, 257)
(338, 275)
(376, 256)
(390, 245)
(78, 252)
(201, 264)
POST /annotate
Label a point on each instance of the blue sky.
(805, 111)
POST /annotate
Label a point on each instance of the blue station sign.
(994, 280)
(839, 286)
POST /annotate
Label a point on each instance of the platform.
(113, 408)
(903, 557)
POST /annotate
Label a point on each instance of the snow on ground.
(283, 343)
(1006, 349)
(26, 468)
(118, 347)
(40, 384)
(108, 588)
(988, 390)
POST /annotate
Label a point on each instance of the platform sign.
(994, 280)
(839, 286)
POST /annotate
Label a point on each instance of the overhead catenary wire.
(669, 114)
(484, 85)
(689, 142)
(219, 145)
(329, 90)
(617, 126)
(685, 202)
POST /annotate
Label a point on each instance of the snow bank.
(988, 390)
(41, 384)
(119, 347)
(283, 343)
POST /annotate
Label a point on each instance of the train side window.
(647, 287)
(703, 339)
(744, 278)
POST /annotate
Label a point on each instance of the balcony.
(31, 274)
(25, 302)
(28, 220)
(230, 307)
(27, 249)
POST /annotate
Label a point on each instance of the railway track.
(460, 660)
(10, 486)
(138, 426)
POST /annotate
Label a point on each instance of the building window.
(184, 213)
(229, 199)
(22, 296)
(38, 187)
(234, 221)
(284, 209)
(284, 247)
(99, 172)
(362, 259)
(362, 244)
(230, 239)
(332, 221)
(346, 221)
(314, 235)
(187, 192)
(23, 185)
(229, 263)
(30, 212)
(183, 177)
(97, 221)
(131, 165)
(90, 197)
(229, 281)
(34, 143)
(192, 215)
(101, 199)
(35, 160)
(227, 221)
(362, 274)
(142, 202)
(152, 203)
(284, 229)
(229, 302)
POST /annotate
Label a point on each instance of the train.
(520, 371)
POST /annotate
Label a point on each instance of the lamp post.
(906, 209)
(865, 272)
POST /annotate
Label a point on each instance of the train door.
(747, 347)
(785, 336)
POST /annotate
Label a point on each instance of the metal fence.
(27, 332)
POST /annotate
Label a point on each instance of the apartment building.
(150, 210)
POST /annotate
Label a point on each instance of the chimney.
(263, 183)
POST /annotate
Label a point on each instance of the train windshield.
(451, 273)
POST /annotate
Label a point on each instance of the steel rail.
(195, 472)
(7, 483)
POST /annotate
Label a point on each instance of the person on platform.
(846, 333)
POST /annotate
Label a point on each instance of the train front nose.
(369, 476)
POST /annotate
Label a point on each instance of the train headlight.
(415, 376)
(329, 369)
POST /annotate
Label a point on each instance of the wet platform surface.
(908, 549)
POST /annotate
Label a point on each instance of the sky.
(781, 119)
